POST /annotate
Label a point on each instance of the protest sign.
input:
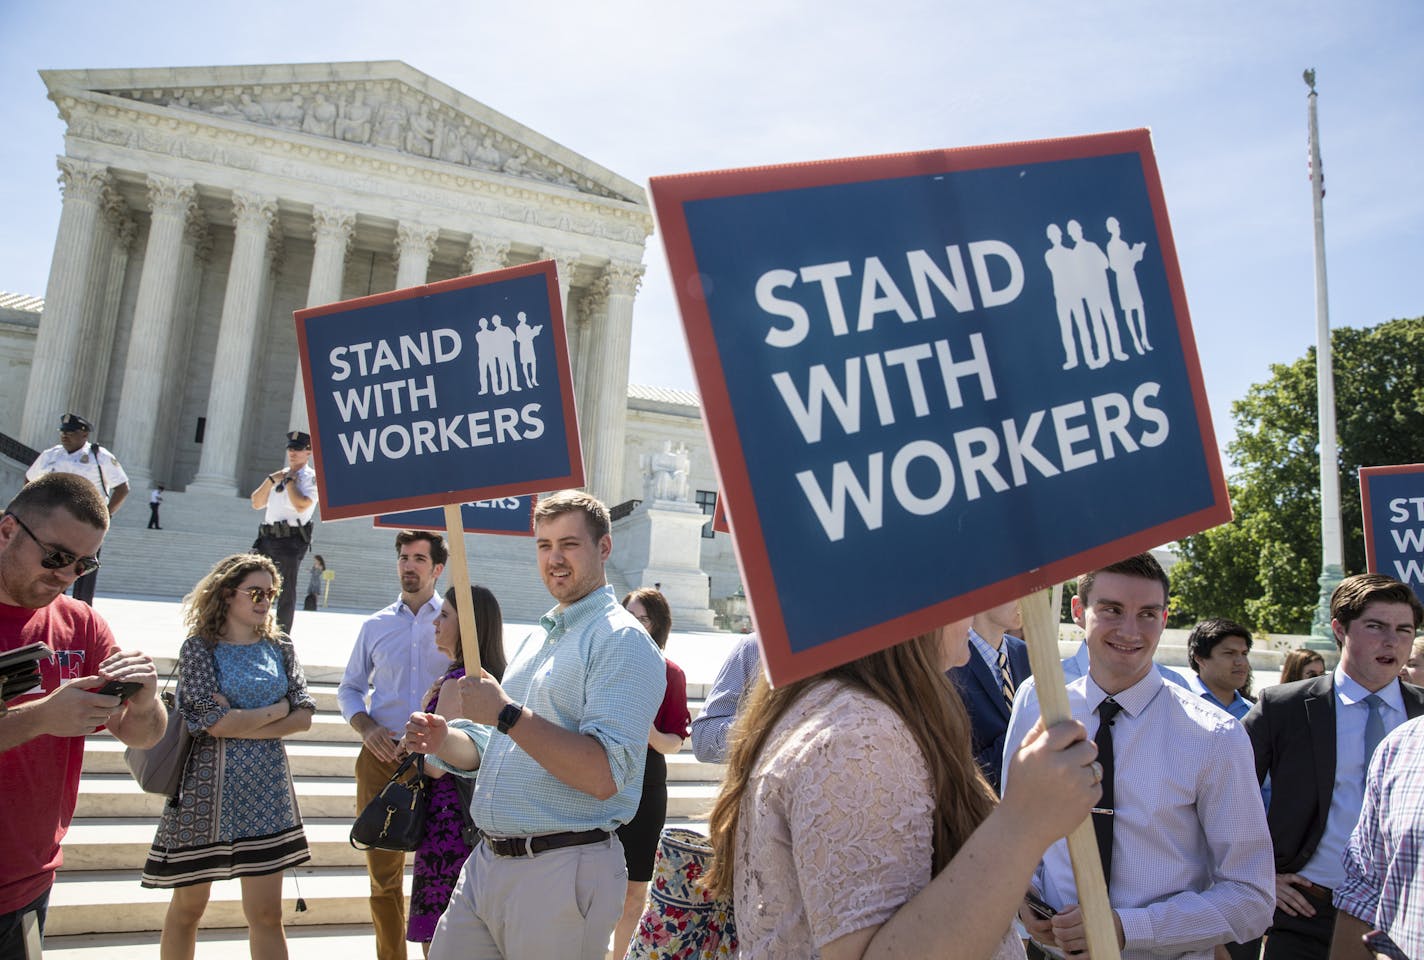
(447, 393)
(510, 516)
(935, 382)
(1393, 505)
(719, 517)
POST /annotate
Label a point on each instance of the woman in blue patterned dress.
(444, 850)
(241, 690)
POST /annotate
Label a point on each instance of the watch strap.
(508, 716)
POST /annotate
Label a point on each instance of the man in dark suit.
(998, 663)
(1315, 737)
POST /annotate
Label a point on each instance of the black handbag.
(395, 819)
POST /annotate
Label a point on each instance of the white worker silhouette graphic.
(488, 369)
(1072, 311)
(1124, 258)
(525, 334)
(501, 340)
(1091, 267)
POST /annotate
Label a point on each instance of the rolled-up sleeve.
(477, 732)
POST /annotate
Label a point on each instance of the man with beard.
(391, 669)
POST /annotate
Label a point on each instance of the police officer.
(289, 497)
(75, 454)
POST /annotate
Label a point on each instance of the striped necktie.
(1006, 679)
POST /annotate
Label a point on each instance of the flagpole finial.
(1309, 77)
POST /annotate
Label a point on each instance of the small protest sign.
(1393, 505)
(935, 382)
(446, 393)
(510, 516)
(719, 517)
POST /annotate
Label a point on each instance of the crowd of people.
(909, 803)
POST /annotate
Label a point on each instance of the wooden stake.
(459, 570)
(1040, 620)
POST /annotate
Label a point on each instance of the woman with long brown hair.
(1302, 664)
(854, 822)
(241, 689)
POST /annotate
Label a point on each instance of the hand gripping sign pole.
(1040, 622)
(460, 578)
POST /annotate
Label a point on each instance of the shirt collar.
(561, 620)
(1350, 692)
(985, 648)
(432, 606)
(1203, 691)
(1133, 700)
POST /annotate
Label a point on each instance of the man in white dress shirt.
(1181, 829)
(76, 454)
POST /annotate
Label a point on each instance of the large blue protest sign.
(447, 393)
(936, 381)
(1393, 504)
(510, 516)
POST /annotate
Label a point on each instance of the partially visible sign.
(719, 517)
(447, 393)
(511, 516)
(1393, 504)
(935, 382)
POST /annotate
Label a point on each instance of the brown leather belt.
(1316, 890)
(530, 846)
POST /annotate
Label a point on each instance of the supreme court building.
(202, 206)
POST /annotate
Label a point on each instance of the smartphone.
(1039, 906)
(123, 689)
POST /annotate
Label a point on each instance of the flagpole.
(1331, 550)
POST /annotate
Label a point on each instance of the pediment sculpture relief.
(384, 115)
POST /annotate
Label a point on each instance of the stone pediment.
(386, 105)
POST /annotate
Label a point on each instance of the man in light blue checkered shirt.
(563, 767)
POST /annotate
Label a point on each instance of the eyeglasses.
(56, 559)
(259, 594)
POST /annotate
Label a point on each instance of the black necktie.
(1103, 822)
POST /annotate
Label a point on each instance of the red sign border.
(575, 478)
(533, 502)
(669, 193)
(1367, 474)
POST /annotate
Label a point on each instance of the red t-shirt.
(672, 715)
(39, 779)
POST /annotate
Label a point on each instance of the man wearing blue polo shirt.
(563, 767)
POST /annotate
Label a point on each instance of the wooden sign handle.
(459, 569)
(1040, 621)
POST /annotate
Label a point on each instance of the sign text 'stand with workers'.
(1393, 505)
(936, 381)
(447, 393)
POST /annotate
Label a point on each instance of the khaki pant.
(386, 867)
(559, 905)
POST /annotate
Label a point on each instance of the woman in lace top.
(853, 821)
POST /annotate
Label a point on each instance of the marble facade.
(201, 206)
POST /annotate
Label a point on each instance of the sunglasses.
(56, 559)
(261, 594)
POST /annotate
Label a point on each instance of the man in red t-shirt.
(49, 536)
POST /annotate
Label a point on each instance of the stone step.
(111, 901)
(222, 943)
(116, 795)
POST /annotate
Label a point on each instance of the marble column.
(172, 203)
(415, 242)
(331, 234)
(172, 432)
(565, 262)
(486, 254)
(52, 371)
(111, 258)
(253, 216)
(592, 309)
(609, 380)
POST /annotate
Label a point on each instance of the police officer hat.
(73, 421)
(296, 440)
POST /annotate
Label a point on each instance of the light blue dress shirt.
(1327, 865)
(394, 661)
(1238, 707)
(590, 667)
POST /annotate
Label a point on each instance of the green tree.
(1262, 567)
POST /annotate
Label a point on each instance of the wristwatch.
(509, 716)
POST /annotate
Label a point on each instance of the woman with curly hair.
(240, 689)
(854, 822)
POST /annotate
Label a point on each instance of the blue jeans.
(12, 931)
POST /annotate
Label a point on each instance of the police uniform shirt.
(279, 505)
(82, 462)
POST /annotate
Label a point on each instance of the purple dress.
(441, 855)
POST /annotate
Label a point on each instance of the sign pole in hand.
(1040, 622)
(460, 579)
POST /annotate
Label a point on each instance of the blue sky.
(654, 88)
